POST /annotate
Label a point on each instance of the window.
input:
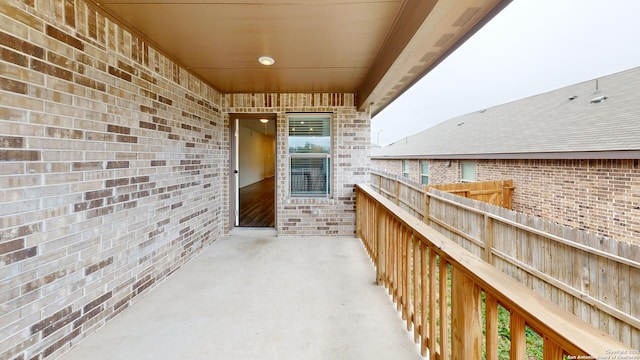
(468, 171)
(310, 155)
(405, 168)
(424, 172)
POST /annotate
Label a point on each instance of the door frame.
(234, 119)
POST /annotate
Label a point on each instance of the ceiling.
(374, 48)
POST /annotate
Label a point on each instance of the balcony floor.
(253, 295)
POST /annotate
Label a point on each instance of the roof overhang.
(376, 49)
(578, 155)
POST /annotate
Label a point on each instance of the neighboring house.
(573, 154)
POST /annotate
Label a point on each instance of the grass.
(533, 340)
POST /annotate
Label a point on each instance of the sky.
(530, 47)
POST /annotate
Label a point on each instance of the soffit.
(374, 48)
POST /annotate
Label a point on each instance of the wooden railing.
(410, 197)
(439, 287)
(595, 278)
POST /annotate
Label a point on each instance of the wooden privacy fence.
(498, 193)
(439, 288)
(595, 278)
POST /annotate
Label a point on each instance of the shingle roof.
(560, 121)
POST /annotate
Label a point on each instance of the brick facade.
(598, 196)
(440, 171)
(114, 170)
(350, 158)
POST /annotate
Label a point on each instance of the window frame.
(405, 168)
(424, 174)
(462, 172)
(327, 156)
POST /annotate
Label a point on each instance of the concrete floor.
(252, 295)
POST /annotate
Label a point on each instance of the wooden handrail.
(394, 238)
(589, 300)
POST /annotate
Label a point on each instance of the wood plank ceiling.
(375, 48)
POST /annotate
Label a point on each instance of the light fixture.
(264, 121)
(266, 60)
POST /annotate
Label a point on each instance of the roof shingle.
(560, 121)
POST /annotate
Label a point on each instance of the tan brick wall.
(389, 166)
(350, 158)
(113, 172)
(598, 196)
(440, 171)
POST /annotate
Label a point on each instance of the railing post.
(488, 238)
(380, 241)
(358, 214)
(466, 317)
(427, 206)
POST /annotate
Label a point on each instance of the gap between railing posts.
(447, 295)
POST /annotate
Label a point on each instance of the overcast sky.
(530, 47)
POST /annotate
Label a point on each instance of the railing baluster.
(416, 298)
(381, 219)
(491, 318)
(432, 304)
(518, 341)
(405, 276)
(396, 241)
(392, 254)
(444, 318)
(424, 286)
(466, 314)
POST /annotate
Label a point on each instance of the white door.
(236, 176)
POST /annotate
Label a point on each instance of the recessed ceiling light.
(264, 121)
(266, 60)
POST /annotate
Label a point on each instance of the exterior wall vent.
(599, 99)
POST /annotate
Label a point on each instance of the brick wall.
(599, 196)
(440, 171)
(113, 172)
(313, 216)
